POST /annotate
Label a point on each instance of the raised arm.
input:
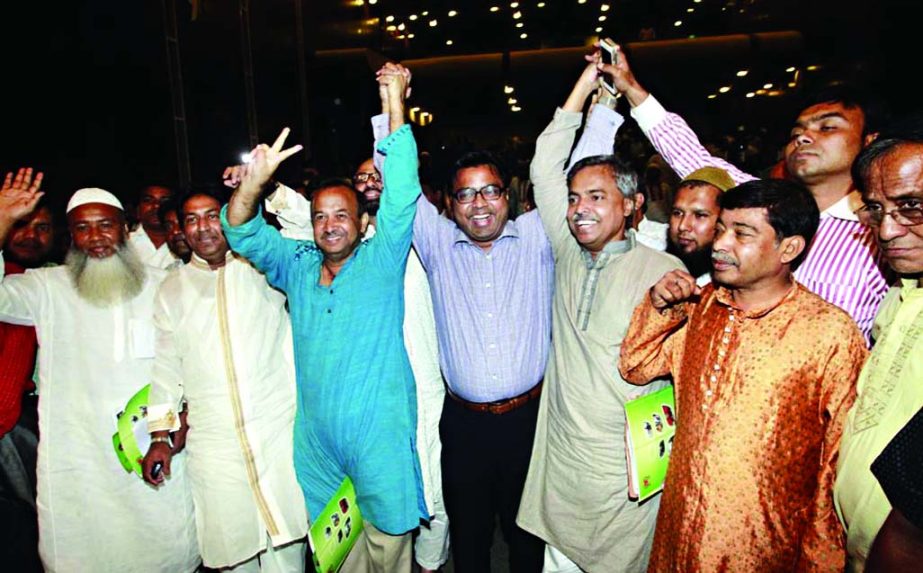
(551, 152)
(19, 196)
(401, 175)
(669, 133)
(248, 234)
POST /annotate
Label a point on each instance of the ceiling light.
(433, 23)
(792, 84)
(449, 42)
(373, 2)
(389, 18)
(761, 92)
(514, 4)
(812, 68)
(401, 27)
(690, 10)
(604, 8)
(712, 96)
(517, 15)
(750, 94)
(412, 17)
(507, 89)
(724, 89)
(581, 1)
(391, 28)
(452, 13)
(512, 101)
(767, 86)
(424, 13)
(599, 29)
(523, 36)
(515, 108)
(519, 24)
(791, 69)
(410, 36)
(678, 23)
(602, 18)
(401, 37)
(494, 8)
(541, 4)
(742, 73)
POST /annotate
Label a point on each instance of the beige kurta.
(224, 345)
(92, 514)
(159, 257)
(576, 494)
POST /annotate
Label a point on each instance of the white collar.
(845, 208)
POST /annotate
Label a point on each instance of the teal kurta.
(356, 402)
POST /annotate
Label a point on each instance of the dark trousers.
(485, 459)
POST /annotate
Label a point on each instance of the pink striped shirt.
(843, 265)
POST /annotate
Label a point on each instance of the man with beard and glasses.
(356, 404)
(693, 217)
(576, 494)
(224, 346)
(843, 264)
(93, 318)
(176, 240)
(150, 239)
(28, 246)
(764, 372)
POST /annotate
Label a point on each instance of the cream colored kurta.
(889, 393)
(224, 345)
(93, 515)
(576, 494)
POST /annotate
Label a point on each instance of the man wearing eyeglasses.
(367, 180)
(889, 174)
(491, 280)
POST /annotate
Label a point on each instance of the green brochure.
(649, 429)
(335, 530)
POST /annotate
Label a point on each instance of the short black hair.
(170, 205)
(908, 130)
(216, 193)
(476, 159)
(790, 208)
(329, 182)
(626, 178)
(851, 97)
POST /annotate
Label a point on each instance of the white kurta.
(158, 257)
(93, 515)
(224, 345)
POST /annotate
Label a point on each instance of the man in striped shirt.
(843, 265)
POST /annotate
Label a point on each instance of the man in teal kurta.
(356, 403)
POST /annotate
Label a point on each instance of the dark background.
(86, 90)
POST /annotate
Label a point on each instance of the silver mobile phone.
(610, 55)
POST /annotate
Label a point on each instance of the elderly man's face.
(895, 181)
(31, 240)
(97, 229)
(597, 211)
(747, 252)
(149, 204)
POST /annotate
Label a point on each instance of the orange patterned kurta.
(761, 398)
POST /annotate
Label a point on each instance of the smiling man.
(765, 372)
(576, 494)
(890, 175)
(224, 347)
(93, 318)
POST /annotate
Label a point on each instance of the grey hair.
(626, 179)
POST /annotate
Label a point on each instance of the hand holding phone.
(609, 56)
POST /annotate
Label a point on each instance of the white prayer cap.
(93, 195)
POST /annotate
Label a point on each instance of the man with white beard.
(93, 318)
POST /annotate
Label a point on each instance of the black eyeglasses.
(874, 215)
(488, 192)
(366, 177)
